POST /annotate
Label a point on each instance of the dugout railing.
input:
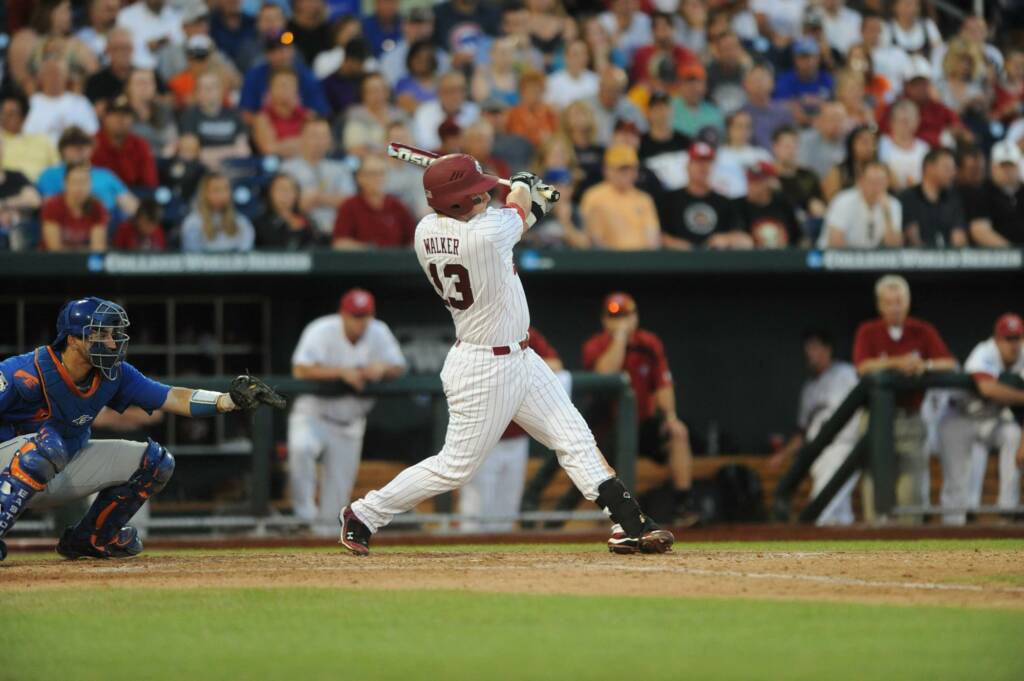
(873, 452)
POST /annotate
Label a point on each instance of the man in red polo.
(911, 346)
(624, 347)
(373, 218)
(122, 151)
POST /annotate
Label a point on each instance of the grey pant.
(100, 464)
(962, 437)
(911, 467)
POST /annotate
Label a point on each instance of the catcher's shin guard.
(37, 462)
(114, 507)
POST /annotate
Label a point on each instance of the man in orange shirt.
(616, 215)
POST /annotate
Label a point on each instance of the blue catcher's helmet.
(101, 325)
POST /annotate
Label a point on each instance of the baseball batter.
(490, 375)
(48, 400)
(980, 423)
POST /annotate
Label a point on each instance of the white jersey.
(324, 343)
(985, 359)
(469, 264)
(822, 395)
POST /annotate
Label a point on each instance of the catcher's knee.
(42, 457)
(155, 469)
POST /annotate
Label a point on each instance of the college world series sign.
(914, 259)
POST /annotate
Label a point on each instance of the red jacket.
(132, 161)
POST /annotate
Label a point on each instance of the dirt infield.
(978, 578)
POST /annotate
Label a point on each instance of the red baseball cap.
(762, 170)
(1009, 325)
(702, 151)
(359, 303)
(618, 304)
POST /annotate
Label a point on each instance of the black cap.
(659, 98)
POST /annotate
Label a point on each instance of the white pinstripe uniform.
(488, 378)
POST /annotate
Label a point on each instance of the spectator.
(628, 26)
(354, 347)
(910, 346)
(822, 146)
(343, 30)
(800, 186)
(736, 155)
(220, 130)
(842, 24)
(814, 30)
(198, 51)
(970, 171)
(154, 119)
(995, 212)
(144, 232)
(850, 93)
(474, 18)
(663, 150)
(420, 84)
(861, 149)
(108, 82)
(342, 87)
(807, 86)
(936, 118)
(324, 183)
(901, 150)
(691, 111)
(499, 77)
(822, 393)
(74, 220)
(18, 199)
(195, 54)
(154, 25)
(383, 28)
(234, 32)
(405, 180)
(27, 153)
(283, 226)
(278, 126)
(311, 29)
(48, 36)
(973, 35)
(963, 84)
(366, 123)
(373, 218)
(417, 25)
(515, 150)
(769, 218)
(876, 87)
(697, 215)
(550, 28)
(664, 46)
(980, 423)
(909, 31)
(726, 70)
(933, 215)
(532, 118)
(53, 107)
(102, 17)
(604, 53)
(182, 172)
(1009, 90)
(280, 55)
(610, 105)
(616, 215)
(864, 216)
(76, 148)
(575, 81)
(214, 226)
(890, 61)
(450, 102)
(579, 126)
(121, 151)
(766, 114)
(623, 347)
(494, 493)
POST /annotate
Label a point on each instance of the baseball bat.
(423, 158)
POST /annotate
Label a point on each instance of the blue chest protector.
(72, 410)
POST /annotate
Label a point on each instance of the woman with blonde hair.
(963, 74)
(850, 92)
(214, 225)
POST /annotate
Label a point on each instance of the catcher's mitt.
(249, 392)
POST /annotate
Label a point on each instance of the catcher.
(48, 400)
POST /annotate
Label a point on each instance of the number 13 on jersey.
(459, 276)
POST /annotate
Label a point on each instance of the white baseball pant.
(338, 449)
(497, 488)
(963, 469)
(485, 393)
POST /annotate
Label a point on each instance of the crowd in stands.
(229, 125)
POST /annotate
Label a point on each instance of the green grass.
(319, 633)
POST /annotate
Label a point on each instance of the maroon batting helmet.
(453, 181)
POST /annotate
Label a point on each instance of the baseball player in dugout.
(896, 341)
(982, 422)
(491, 377)
(624, 347)
(355, 347)
(48, 400)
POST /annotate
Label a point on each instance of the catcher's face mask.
(106, 340)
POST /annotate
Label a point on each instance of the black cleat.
(355, 536)
(125, 545)
(653, 540)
